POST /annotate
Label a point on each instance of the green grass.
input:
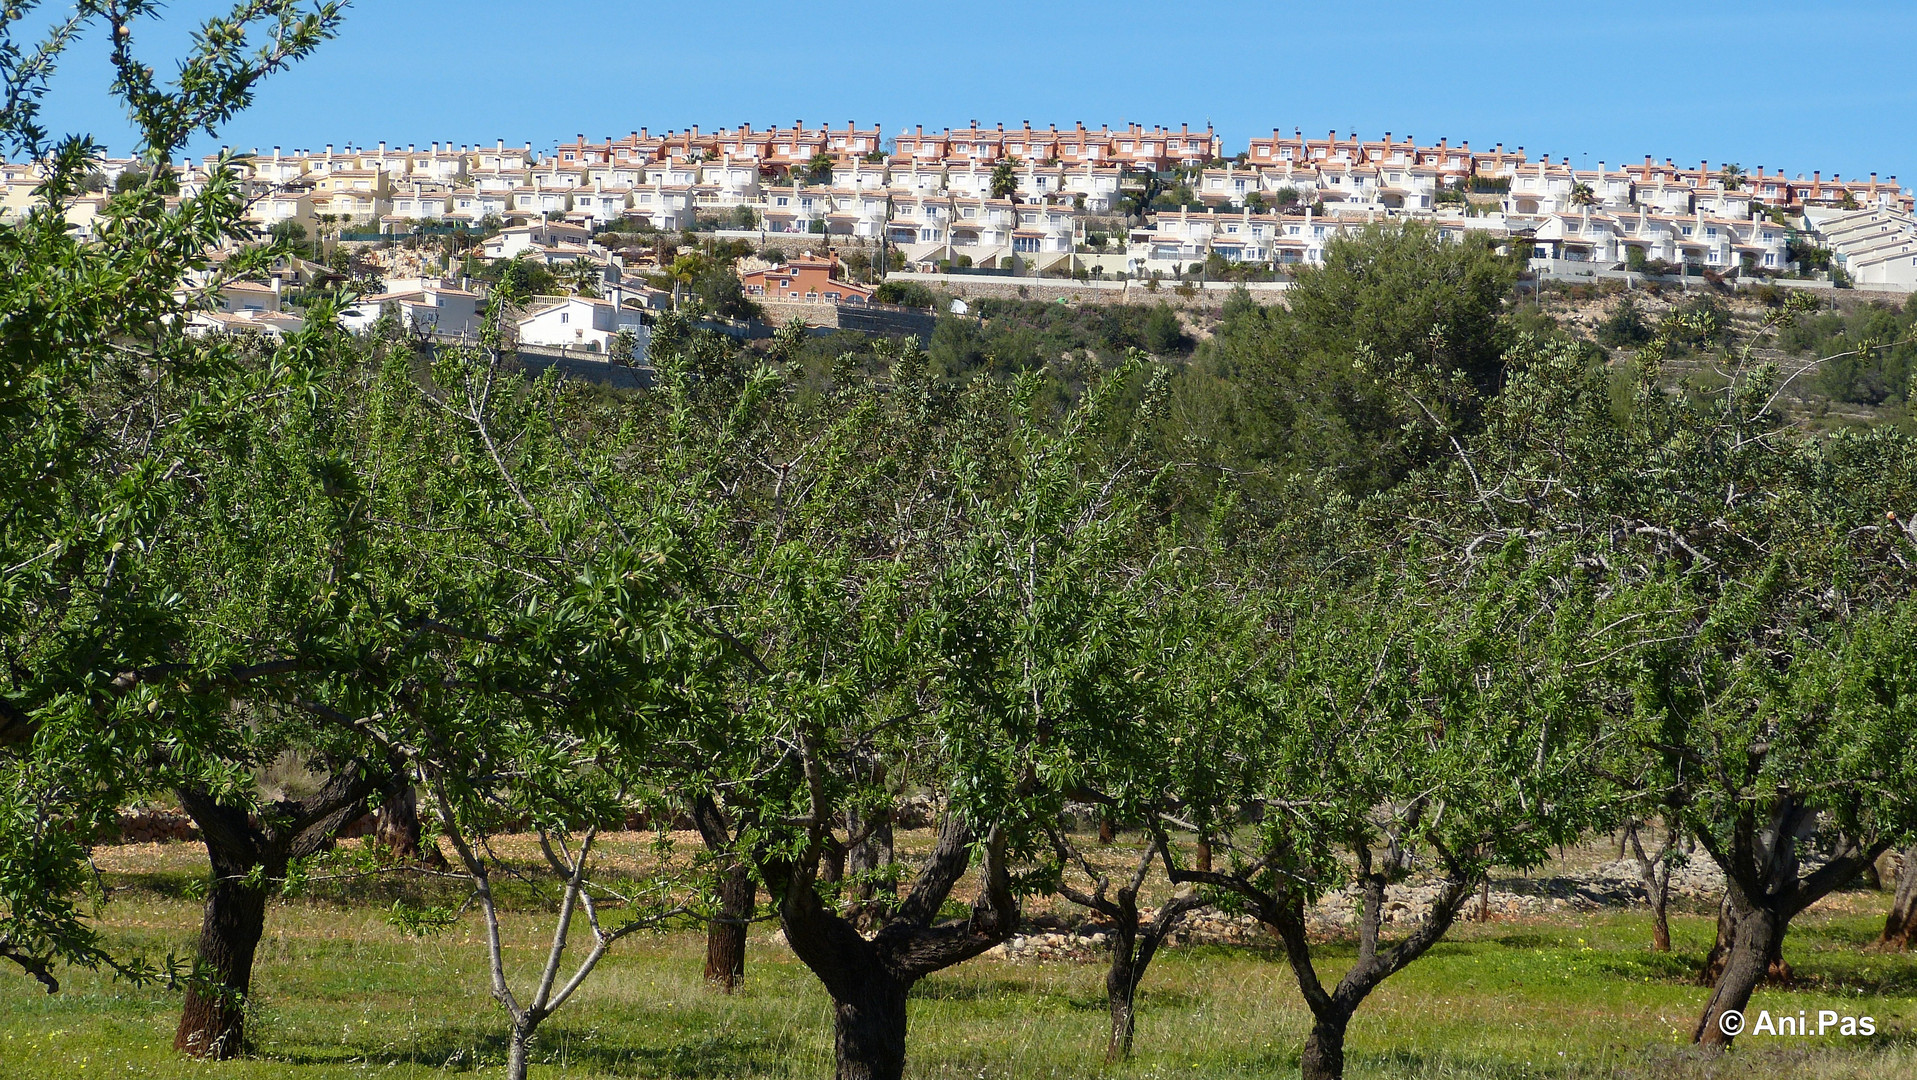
(339, 992)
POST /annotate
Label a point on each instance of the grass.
(340, 992)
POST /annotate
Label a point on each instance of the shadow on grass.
(164, 884)
(705, 1058)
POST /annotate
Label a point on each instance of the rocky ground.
(1694, 884)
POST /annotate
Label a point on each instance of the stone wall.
(1198, 295)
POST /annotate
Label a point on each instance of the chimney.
(382, 147)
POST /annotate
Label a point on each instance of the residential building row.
(939, 196)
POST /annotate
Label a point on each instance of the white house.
(429, 305)
(509, 243)
(577, 322)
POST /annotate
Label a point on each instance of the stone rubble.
(1612, 884)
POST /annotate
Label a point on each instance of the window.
(1264, 151)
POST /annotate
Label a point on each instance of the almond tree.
(111, 423)
(1406, 729)
(1133, 943)
(1743, 569)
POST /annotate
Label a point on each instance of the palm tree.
(819, 169)
(1733, 176)
(1583, 195)
(1005, 179)
(584, 276)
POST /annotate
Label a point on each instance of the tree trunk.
(1756, 936)
(1901, 924)
(213, 1021)
(869, 1030)
(396, 828)
(868, 977)
(1776, 971)
(241, 847)
(1106, 832)
(1121, 988)
(1655, 871)
(1661, 921)
(726, 934)
(517, 1051)
(1325, 1049)
(1203, 861)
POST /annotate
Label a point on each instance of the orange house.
(807, 278)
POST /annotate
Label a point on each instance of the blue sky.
(1818, 85)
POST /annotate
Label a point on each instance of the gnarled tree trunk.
(738, 897)
(213, 1019)
(1763, 892)
(870, 978)
(1133, 945)
(726, 932)
(1655, 870)
(1756, 936)
(1324, 1057)
(1901, 924)
(1776, 971)
(868, 1029)
(396, 827)
(1284, 911)
(238, 843)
